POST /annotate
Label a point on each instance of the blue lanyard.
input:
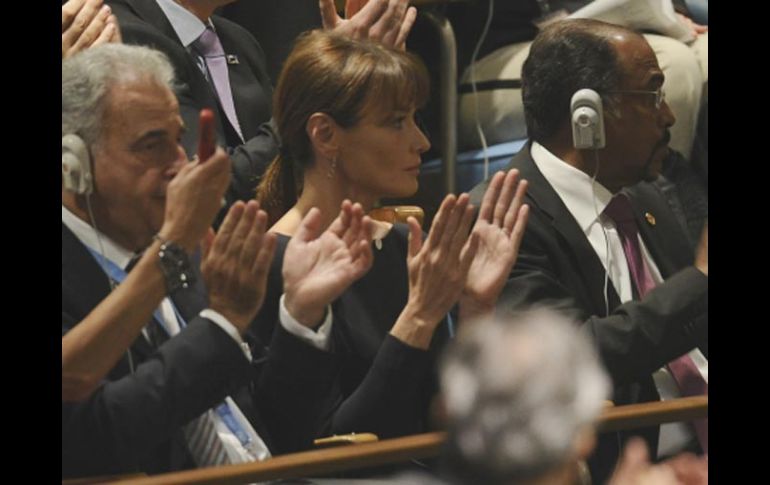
(224, 412)
(118, 274)
(450, 325)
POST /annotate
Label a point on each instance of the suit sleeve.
(637, 337)
(127, 418)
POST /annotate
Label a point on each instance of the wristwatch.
(175, 264)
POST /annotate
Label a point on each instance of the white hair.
(517, 393)
(88, 76)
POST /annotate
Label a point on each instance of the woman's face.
(380, 155)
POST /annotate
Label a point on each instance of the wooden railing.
(318, 462)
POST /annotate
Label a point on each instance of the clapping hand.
(318, 269)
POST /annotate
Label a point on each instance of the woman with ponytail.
(345, 112)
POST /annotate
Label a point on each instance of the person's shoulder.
(228, 28)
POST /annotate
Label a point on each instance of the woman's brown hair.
(332, 74)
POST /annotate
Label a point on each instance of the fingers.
(309, 228)
(215, 171)
(364, 20)
(506, 196)
(440, 221)
(387, 27)
(329, 17)
(69, 11)
(228, 227)
(342, 222)
(94, 29)
(362, 254)
(406, 27)
(352, 7)
(207, 242)
(262, 263)
(415, 236)
(117, 37)
(252, 226)
(511, 215)
(72, 38)
(108, 33)
(517, 234)
(468, 253)
(354, 228)
(458, 228)
(491, 196)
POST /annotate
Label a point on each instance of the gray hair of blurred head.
(88, 77)
(517, 392)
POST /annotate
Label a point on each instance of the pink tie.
(683, 369)
(209, 46)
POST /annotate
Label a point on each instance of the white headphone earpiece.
(587, 119)
(76, 165)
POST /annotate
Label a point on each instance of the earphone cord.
(113, 285)
(480, 132)
(604, 232)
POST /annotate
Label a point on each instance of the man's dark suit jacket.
(133, 421)
(558, 266)
(143, 22)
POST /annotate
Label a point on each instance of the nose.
(422, 143)
(666, 115)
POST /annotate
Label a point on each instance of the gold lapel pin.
(650, 218)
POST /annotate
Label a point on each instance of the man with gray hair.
(156, 375)
(522, 396)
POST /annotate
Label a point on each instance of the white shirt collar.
(91, 237)
(187, 26)
(575, 188)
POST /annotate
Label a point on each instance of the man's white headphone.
(76, 170)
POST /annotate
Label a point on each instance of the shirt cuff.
(223, 323)
(317, 338)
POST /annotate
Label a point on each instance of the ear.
(324, 135)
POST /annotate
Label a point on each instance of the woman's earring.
(332, 171)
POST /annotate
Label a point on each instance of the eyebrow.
(149, 136)
(656, 80)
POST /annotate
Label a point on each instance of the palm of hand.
(319, 270)
(494, 258)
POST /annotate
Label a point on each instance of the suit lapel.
(573, 241)
(150, 12)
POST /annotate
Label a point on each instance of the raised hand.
(437, 270)
(236, 262)
(86, 23)
(317, 270)
(388, 21)
(500, 228)
(194, 197)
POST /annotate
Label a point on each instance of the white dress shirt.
(237, 453)
(586, 199)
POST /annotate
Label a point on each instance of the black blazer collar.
(576, 246)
